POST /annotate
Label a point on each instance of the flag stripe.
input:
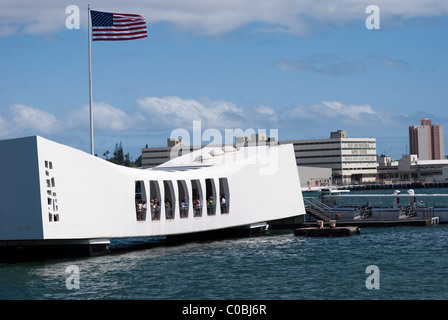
(106, 34)
(117, 26)
(117, 39)
(125, 23)
(118, 18)
(119, 30)
(128, 15)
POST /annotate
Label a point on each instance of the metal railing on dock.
(317, 209)
(364, 215)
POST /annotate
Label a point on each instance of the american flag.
(117, 26)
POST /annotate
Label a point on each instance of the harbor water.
(407, 263)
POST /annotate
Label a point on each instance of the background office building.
(426, 141)
(352, 160)
(152, 157)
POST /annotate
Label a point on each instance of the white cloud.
(174, 112)
(105, 118)
(27, 120)
(334, 65)
(266, 114)
(212, 17)
(262, 109)
(8, 30)
(32, 17)
(30, 119)
(155, 114)
(163, 114)
(324, 64)
(5, 128)
(393, 63)
(344, 114)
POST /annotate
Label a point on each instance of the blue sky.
(305, 68)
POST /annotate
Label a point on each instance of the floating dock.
(362, 223)
(327, 231)
(351, 227)
(332, 231)
(375, 222)
(416, 222)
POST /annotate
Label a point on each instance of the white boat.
(52, 195)
(395, 205)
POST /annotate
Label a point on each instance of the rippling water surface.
(412, 263)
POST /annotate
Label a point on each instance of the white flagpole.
(90, 85)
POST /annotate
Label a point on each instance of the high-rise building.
(438, 148)
(426, 141)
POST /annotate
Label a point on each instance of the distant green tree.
(138, 161)
(122, 159)
(118, 154)
(127, 160)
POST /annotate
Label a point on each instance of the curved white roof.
(213, 156)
